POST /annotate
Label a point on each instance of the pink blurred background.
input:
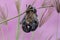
(46, 32)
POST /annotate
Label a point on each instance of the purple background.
(8, 32)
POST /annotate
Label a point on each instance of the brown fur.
(30, 17)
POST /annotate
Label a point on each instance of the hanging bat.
(30, 21)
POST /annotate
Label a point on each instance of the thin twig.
(12, 18)
(3, 38)
(18, 28)
(42, 17)
(50, 37)
(45, 7)
(3, 17)
(57, 27)
(32, 36)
